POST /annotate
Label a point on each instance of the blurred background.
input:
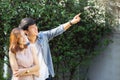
(78, 52)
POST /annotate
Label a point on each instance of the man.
(41, 40)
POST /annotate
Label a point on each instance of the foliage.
(70, 50)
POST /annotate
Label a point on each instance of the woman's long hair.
(14, 40)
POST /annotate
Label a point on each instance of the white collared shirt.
(44, 74)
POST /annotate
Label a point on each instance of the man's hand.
(76, 19)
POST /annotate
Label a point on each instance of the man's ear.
(26, 32)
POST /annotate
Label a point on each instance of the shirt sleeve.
(54, 32)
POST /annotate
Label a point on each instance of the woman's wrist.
(27, 71)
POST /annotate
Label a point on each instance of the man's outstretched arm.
(75, 20)
(60, 29)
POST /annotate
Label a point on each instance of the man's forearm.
(67, 25)
(75, 20)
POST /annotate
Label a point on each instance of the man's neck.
(32, 39)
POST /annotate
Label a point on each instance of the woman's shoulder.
(11, 54)
(32, 46)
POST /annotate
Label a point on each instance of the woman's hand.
(37, 74)
(19, 72)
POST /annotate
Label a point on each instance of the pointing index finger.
(79, 14)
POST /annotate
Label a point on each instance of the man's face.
(32, 30)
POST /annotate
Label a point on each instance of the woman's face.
(23, 38)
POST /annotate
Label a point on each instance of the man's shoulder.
(41, 33)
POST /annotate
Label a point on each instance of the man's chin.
(36, 34)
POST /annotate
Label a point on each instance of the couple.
(32, 61)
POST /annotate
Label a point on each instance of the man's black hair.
(26, 22)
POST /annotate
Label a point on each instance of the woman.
(23, 58)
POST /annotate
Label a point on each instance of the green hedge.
(71, 50)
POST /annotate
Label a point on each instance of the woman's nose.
(26, 39)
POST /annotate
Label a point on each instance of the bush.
(70, 50)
